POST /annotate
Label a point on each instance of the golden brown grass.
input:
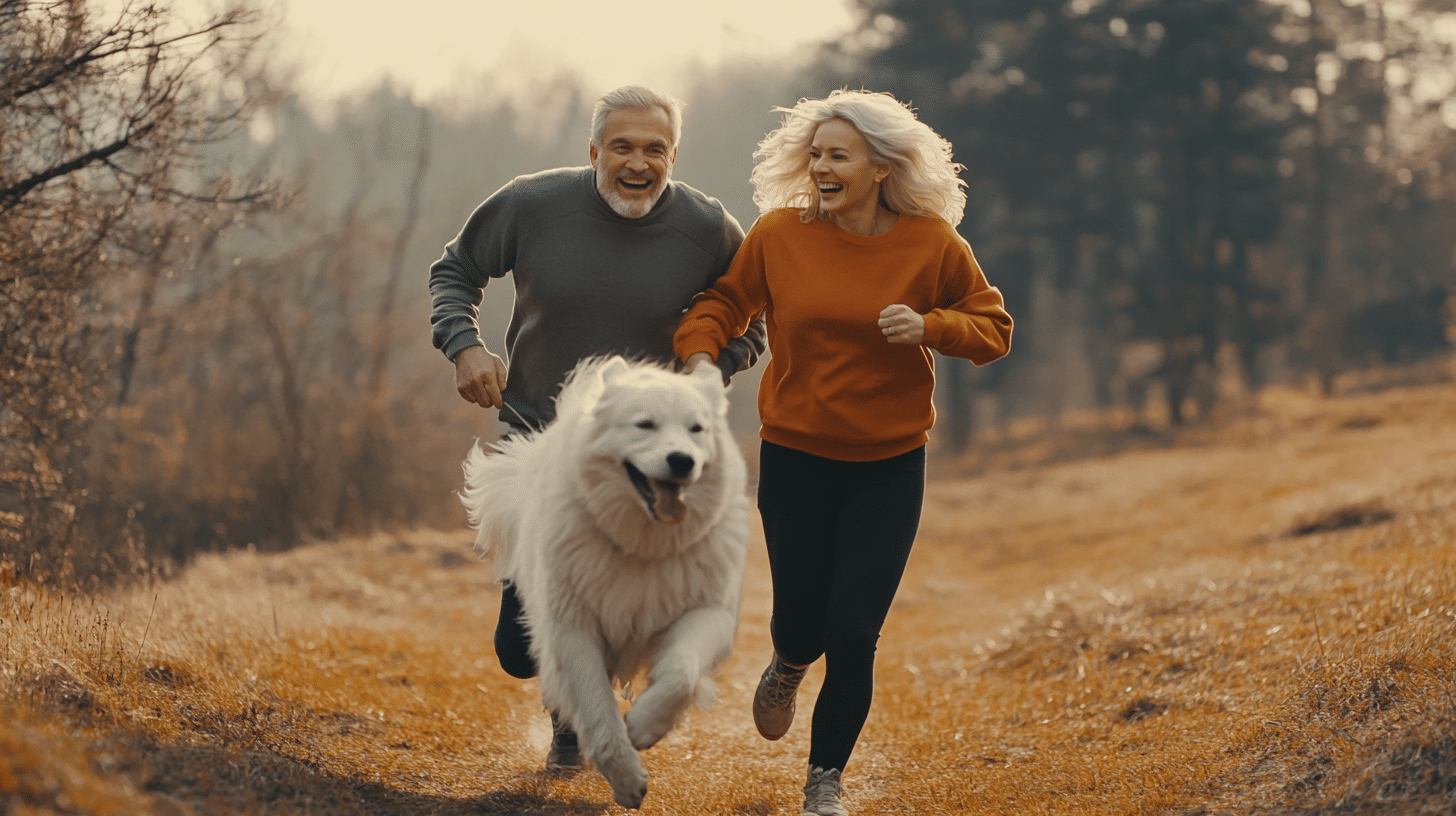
(1257, 620)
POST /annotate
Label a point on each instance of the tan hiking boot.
(773, 703)
(821, 794)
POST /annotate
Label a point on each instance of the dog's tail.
(490, 500)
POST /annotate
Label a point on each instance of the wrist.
(460, 345)
(467, 352)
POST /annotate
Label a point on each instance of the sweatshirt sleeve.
(731, 309)
(744, 350)
(971, 322)
(484, 249)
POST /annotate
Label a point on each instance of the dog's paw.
(627, 777)
(647, 724)
(631, 794)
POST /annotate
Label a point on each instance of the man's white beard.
(607, 188)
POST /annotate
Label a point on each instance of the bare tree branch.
(91, 54)
(12, 194)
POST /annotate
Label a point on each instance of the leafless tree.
(104, 123)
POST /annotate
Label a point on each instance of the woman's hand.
(900, 324)
(693, 359)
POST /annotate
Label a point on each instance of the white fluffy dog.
(623, 528)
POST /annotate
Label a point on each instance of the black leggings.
(839, 535)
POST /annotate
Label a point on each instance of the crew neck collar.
(604, 210)
(860, 239)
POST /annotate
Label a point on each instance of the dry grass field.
(1257, 617)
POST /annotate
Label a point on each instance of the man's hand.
(480, 377)
(900, 324)
(693, 359)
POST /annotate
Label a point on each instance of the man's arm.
(484, 249)
(744, 350)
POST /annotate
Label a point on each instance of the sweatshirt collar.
(603, 210)
(889, 236)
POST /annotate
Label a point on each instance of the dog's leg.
(681, 673)
(583, 693)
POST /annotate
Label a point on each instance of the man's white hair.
(636, 97)
(924, 178)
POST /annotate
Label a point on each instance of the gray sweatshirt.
(588, 281)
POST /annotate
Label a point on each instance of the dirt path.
(359, 677)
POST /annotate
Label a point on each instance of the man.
(605, 259)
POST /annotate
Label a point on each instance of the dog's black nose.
(680, 463)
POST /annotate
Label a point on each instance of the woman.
(861, 274)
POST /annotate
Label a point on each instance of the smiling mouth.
(636, 186)
(829, 189)
(662, 496)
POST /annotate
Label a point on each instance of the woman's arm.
(972, 322)
(727, 309)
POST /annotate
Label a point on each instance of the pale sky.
(438, 48)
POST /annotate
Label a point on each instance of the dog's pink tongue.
(667, 503)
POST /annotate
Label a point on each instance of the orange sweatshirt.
(835, 386)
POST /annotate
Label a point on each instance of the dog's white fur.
(607, 589)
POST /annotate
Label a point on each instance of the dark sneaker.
(773, 703)
(821, 794)
(565, 753)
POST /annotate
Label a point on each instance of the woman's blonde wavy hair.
(924, 179)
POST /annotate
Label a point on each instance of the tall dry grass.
(1259, 621)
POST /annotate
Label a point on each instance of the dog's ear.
(614, 368)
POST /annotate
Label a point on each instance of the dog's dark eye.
(647, 425)
(696, 428)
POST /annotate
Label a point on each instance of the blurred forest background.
(213, 311)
